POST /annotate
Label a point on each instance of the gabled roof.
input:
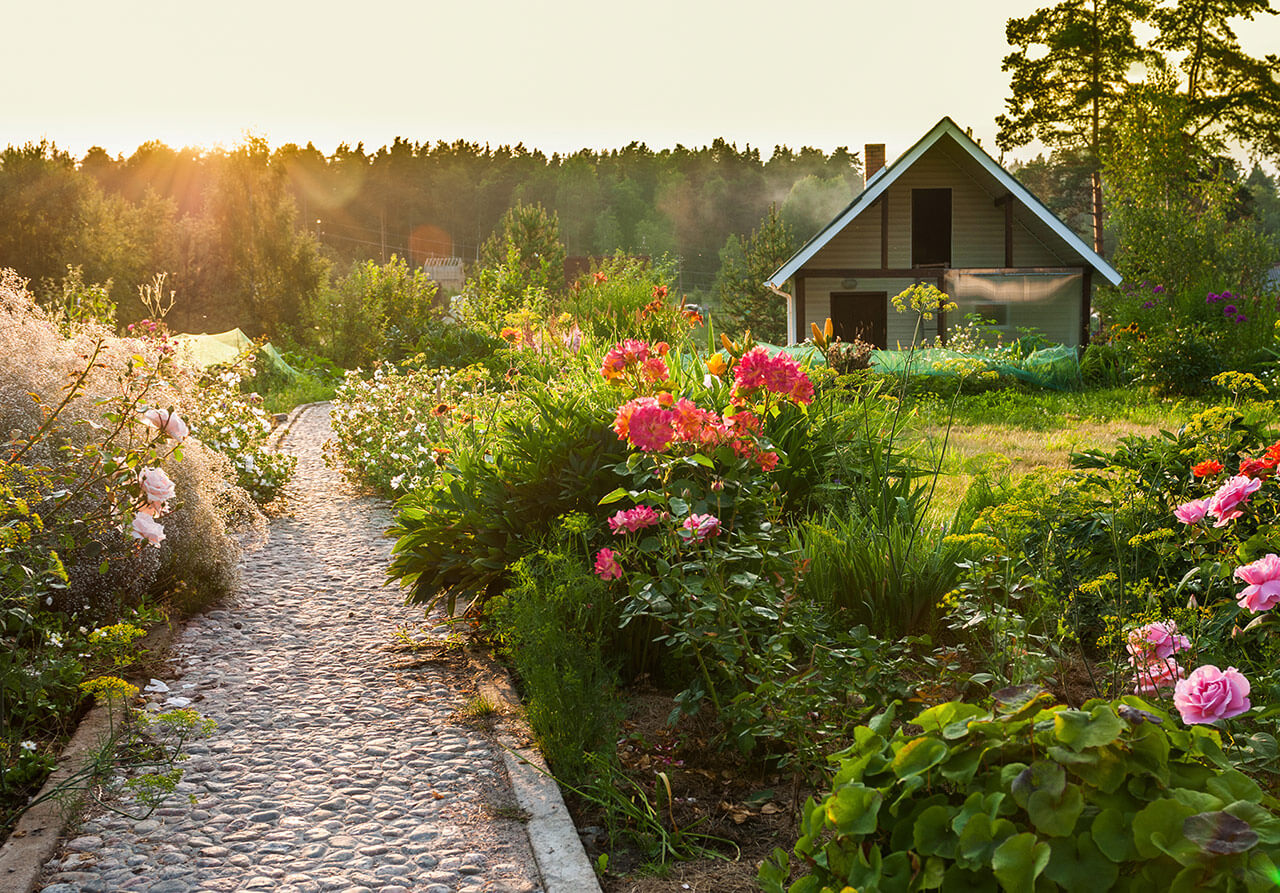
(885, 177)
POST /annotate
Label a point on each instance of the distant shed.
(445, 272)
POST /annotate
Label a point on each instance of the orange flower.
(1206, 468)
(659, 291)
(716, 364)
(601, 277)
(511, 335)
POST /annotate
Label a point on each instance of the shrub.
(376, 312)
(555, 624)
(1027, 796)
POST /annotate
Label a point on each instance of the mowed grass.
(1006, 434)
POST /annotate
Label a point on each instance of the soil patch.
(733, 810)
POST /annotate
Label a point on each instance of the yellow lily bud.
(716, 364)
(828, 330)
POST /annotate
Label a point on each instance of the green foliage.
(1022, 795)
(76, 303)
(1174, 207)
(546, 454)
(521, 268)
(556, 623)
(626, 297)
(235, 424)
(890, 576)
(375, 313)
(745, 264)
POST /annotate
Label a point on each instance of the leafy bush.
(1027, 796)
(235, 424)
(84, 466)
(375, 313)
(555, 624)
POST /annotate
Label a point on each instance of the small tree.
(1174, 204)
(745, 265)
(377, 312)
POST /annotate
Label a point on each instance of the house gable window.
(930, 227)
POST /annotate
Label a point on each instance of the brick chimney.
(872, 159)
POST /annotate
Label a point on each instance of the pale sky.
(557, 76)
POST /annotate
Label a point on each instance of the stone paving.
(332, 768)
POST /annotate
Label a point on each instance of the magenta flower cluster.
(1229, 308)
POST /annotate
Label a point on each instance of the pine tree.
(745, 265)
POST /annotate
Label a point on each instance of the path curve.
(332, 768)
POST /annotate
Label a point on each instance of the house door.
(861, 314)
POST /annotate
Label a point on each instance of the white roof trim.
(885, 177)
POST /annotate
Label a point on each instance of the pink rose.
(631, 520)
(1263, 577)
(1192, 512)
(650, 427)
(1151, 676)
(1210, 694)
(1156, 640)
(168, 422)
(701, 527)
(146, 528)
(157, 487)
(607, 567)
(1223, 504)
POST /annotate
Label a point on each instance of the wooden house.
(945, 212)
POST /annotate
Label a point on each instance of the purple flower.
(1211, 298)
(1158, 290)
(1241, 318)
(1229, 310)
(1147, 305)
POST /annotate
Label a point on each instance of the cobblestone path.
(331, 768)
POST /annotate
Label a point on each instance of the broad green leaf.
(679, 507)
(936, 718)
(1019, 861)
(1076, 863)
(932, 834)
(702, 460)
(1234, 785)
(853, 809)
(614, 496)
(918, 755)
(1041, 775)
(1079, 730)
(1158, 825)
(1056, 816)
(980, 837)
(1113, 835)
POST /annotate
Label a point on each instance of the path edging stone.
(553, 836)
(41, 828)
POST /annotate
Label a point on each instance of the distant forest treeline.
(248, 235)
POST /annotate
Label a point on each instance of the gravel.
(334, 767)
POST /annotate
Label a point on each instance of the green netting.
(207, 350)
(1056, 368)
